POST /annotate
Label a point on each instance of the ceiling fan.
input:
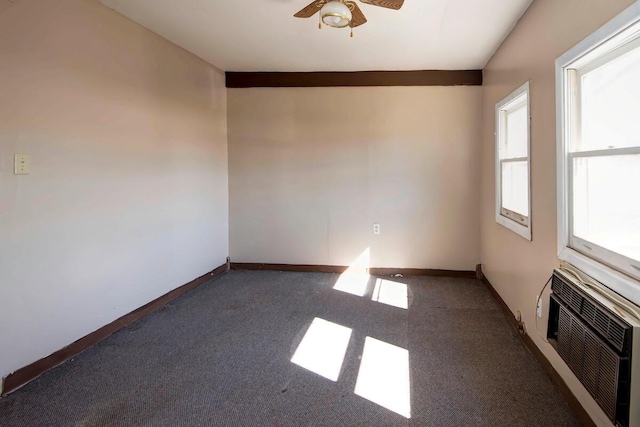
(343, 13)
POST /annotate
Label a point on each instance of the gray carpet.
(221, 355)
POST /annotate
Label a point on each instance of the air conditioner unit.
(600, 341)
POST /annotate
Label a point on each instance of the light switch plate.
(22, 163)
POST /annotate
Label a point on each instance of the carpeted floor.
(222, 356)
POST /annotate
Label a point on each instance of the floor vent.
(598, 346)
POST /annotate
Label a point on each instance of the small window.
(513, 201)
(599, 154)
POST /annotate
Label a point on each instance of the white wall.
(127, 197)
(311, 170)
(517, 268)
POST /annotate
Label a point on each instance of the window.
(599, 154)
(513, 202)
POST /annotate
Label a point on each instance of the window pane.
(606, 206)
(515, 140)
(515, 187)
(610, 105)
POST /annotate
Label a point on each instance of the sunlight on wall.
(323, 348)
(384, 376)
(355, 280)
(391, 293)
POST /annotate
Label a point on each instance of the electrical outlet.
(521, 326)
(539, 308)
(376, 228)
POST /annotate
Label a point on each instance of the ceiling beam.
(358, 78)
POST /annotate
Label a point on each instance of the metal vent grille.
(591, 313)
(590, 359)
(608, 380)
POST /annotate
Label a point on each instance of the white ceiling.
(263, 35)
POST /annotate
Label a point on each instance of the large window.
(599, 154)
(513, 208)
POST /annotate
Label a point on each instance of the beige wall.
(516, 267)
(127, 196)
(311, 170)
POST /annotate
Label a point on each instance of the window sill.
(519, 229)
(621, 284)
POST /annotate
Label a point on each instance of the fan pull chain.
(351, 32)
(320, 21)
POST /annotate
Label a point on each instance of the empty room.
(336, 213)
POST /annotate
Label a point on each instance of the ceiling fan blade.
(358, 17)
(310, 10)
(389, 4)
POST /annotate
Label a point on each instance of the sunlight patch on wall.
(384, 376)
(323, 348)
(355, 279)
(391, 293)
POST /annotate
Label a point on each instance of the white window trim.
(512, 224)
(617, 31)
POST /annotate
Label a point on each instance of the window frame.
(505, 217)
(606, 44)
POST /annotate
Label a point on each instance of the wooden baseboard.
(556, 379)
(24, 375)
(305, 268)
(422, 272)
(301, 268)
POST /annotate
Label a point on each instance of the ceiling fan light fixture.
(336, 14)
